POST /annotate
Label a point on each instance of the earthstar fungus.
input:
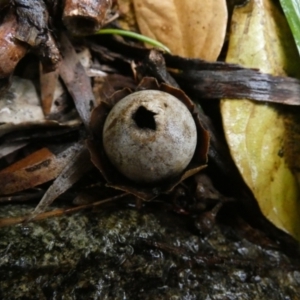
(150, 127)
(147, 141)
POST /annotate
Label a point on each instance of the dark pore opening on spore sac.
(144, 118)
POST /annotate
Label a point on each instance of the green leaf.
(291, 10)
(136, 36)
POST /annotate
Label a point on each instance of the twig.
(85, 16)
(57, 212)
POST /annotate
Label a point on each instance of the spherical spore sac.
(150, 136)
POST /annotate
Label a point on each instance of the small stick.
(57, 212)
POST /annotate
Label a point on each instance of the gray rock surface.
(130, 254)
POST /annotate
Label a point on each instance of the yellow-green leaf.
(264, 139)
(192, 28)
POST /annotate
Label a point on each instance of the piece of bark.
(241, 84)
(76, 80)
(214, 80)
(11, 50)
(85, 16)
(33, 29)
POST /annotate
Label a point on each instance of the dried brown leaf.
(78, 163)
(76, 80)
(188, 28)
(48, 85)
(35, 169)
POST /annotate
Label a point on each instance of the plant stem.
(134, 35)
